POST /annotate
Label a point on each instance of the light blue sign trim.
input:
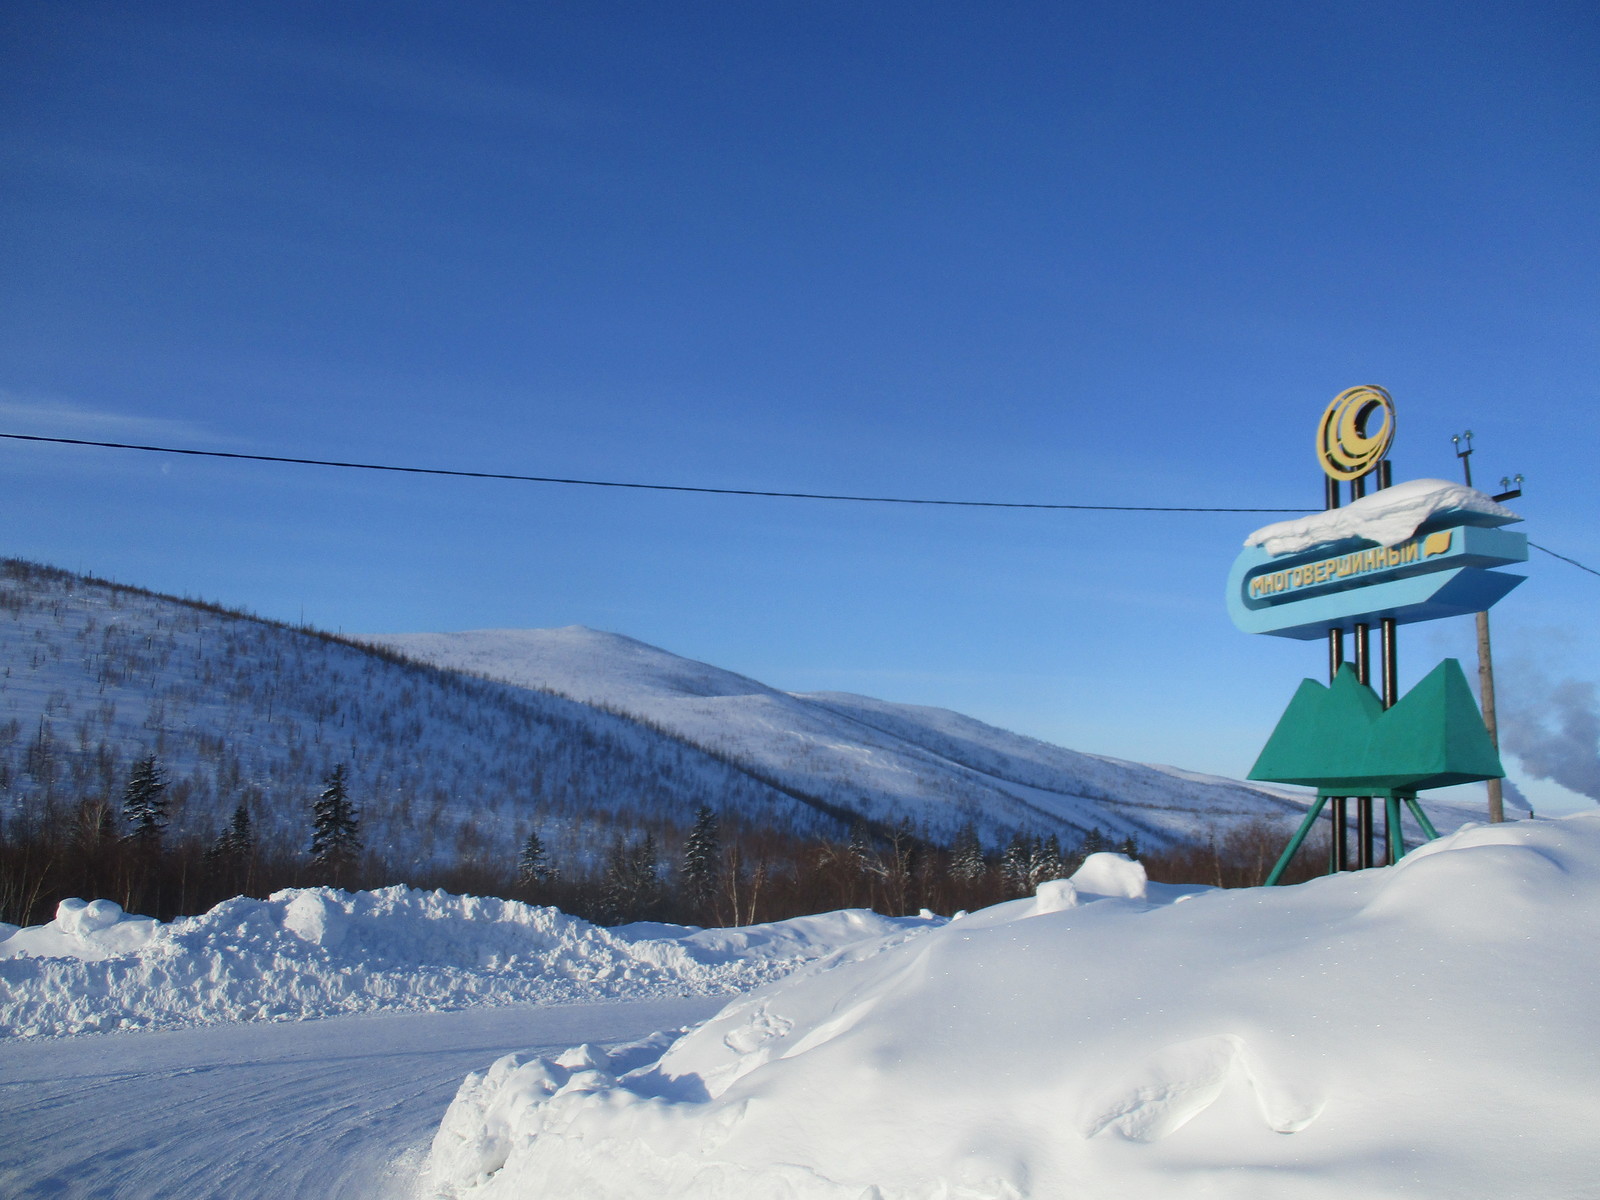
(1334, 586)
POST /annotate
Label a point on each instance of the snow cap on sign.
(1387, 517)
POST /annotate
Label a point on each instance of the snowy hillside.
(890, 760)
(1422, 1030)
(449, 766)
(444, 767)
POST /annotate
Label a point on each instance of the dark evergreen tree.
(1130, 846)
(967, 863)
(631, 888)
(1094, 843)
(534, 866)
(1016, 861)
(702, 862)
(144, 801)
(238, 841)
(335, 831)
(860, 847)
(1045, 861)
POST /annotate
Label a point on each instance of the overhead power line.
(649, 487)
(1564, 558)
(679, 487)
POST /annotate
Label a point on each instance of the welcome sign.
(1444, 570)
(1412, 552)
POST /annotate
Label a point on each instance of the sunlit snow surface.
(1421, 1030)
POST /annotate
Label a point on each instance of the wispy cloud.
(49, 417)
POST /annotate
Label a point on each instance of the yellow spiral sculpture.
(1344, 447)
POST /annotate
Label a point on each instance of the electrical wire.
(652, 487)
(679, 487)
(1564, 558)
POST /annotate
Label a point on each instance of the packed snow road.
(328, 1109)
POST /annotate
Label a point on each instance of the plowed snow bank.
(311, 952)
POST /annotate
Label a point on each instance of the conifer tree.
(631, 890)
(966, 856)
(534, 866)
(1094, 843)
(1045, 861)
(1130, 846)
(860, 848)
(238, 841)
(702, 861)
(336, 831)
(144, 803)
(1016, 861)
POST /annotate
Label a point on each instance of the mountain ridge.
(943, 767)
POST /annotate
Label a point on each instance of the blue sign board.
(1438, 572)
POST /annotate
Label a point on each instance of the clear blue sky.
(1042, 252)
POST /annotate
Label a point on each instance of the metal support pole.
(1422, 817)
(1295, 842)
(1391, 662)
(1338, 855)
(1390, 656)
(1391, 826)
(1363, 662)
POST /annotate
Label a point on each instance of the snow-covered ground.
(1424, 1030)
(315, 952)
(1416, 1031)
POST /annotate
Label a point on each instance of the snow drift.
(313, 952)
(1420, 1030)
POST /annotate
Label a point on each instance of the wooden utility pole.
(1497, 807)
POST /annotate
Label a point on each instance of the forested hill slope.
(448, 766)
(443, 766)
(888, 760)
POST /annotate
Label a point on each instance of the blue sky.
(1040, 252)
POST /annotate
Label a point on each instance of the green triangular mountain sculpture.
(1340, 740)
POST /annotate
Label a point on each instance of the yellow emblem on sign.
(1344, 447)
(1437, 543)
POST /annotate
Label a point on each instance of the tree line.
(701, 872)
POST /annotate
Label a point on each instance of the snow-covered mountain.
(885, 760)
(443, 766)
(572, 732)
